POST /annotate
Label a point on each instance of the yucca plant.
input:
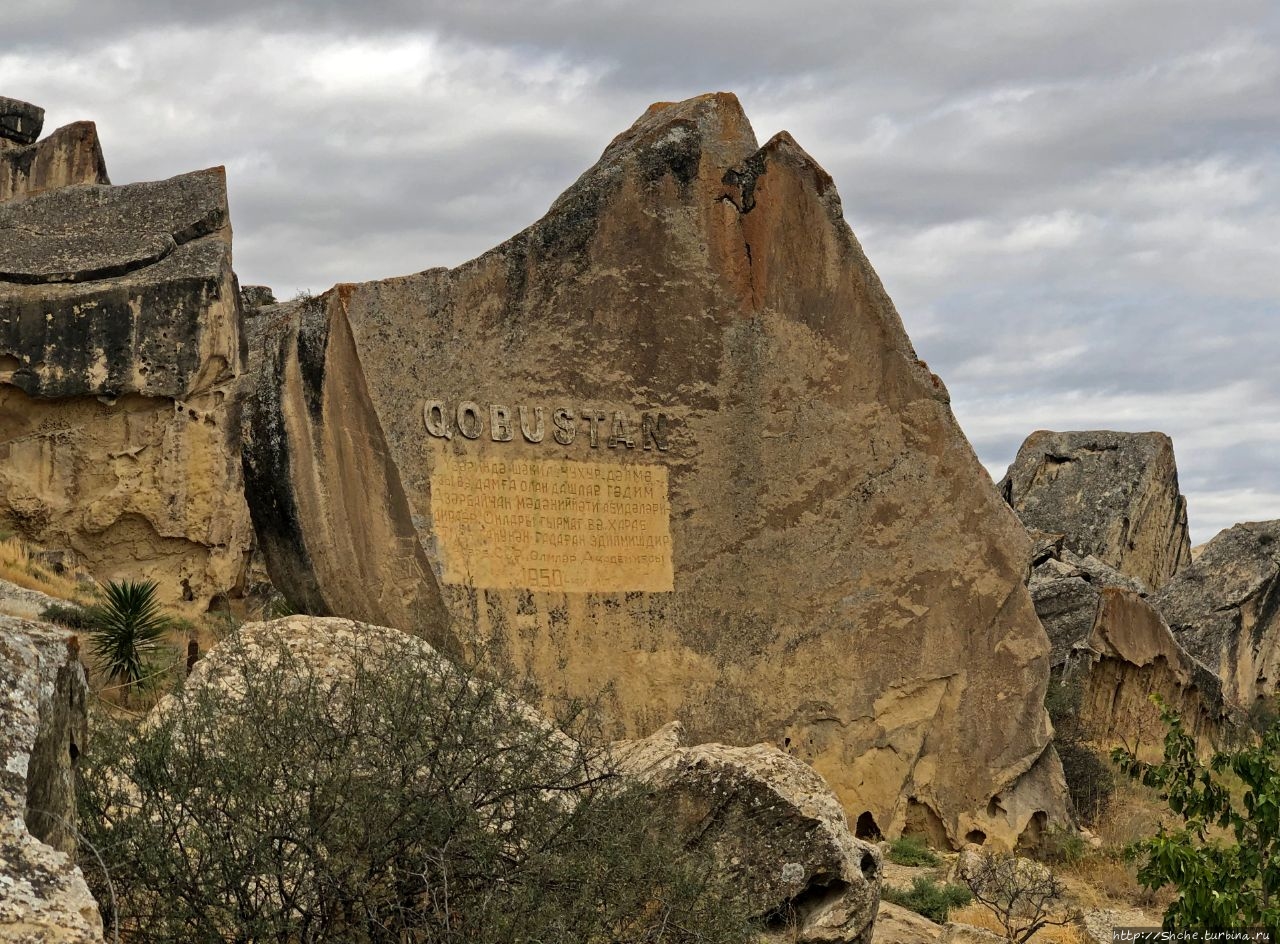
(127, 626)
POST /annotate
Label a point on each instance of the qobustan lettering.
(613, 429)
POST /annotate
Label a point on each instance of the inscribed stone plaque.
(557, 525)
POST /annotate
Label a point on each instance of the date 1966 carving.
(614, 429)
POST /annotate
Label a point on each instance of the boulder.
(20, 122)
(71, 155)
(43, 729)
(1223, 608)
(774, 827)
(671, 443)
(119, 350)
(1111, 495)
(898, 925)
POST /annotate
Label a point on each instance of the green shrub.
(1220, 882)
(70, 615)
(391, 802)
(929, 898)
(127, 626)
(1062, 845)
(909, 850)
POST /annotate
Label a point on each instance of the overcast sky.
(1074, 203)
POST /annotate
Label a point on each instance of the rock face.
(1112, 495)
(43, 728)
(1107, 637)
(71, 155)
(120, 346)
(20, 122)
(774, 826)
(671, 443)
(1223, 608)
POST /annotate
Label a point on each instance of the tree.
(395, 800)
(1019, 892)
(1221, 882)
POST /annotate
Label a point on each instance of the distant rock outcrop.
(43, 728)
(672, 443)
(119, 349)
(1109, 640)
(1113, 496)
(71, 155)
(1225, 609)
(776, 829)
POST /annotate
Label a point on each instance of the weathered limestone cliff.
(1225, 609)
(1111, 495)
(671, 443)
(43, 728)
(119, 350)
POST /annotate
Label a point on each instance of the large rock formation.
(672, 444)
(119, 349)
(1224, 609)
(1112, 495)
(1113, 649)
(71, 155)
(774, 827)
(43, 728)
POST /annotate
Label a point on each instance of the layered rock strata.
(43, 729)
(1114, 496)
(120, 346)
(1225, 609)
(672, 444)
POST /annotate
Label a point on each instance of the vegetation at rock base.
(1224, 859)
(1021, 894)
(70, 615)
(1091, 782)
(399, 803)
(126, 627)
(928, 897)
(911, 850)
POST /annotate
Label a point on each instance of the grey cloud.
(1075, 204)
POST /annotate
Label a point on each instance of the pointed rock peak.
(715, 121)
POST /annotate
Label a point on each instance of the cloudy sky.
(1074, 203)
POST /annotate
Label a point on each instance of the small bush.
(909, 850)
(1062, 845)
(127, 627)
(1019, 893)
(928, 898)
(389, 802)
(70, 615)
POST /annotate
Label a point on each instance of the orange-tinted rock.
(71, 155)
(755, 512)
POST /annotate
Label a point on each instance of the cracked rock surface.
(43, 725)
(846, 582)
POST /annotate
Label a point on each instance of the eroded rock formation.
(119, 349)
(1112, 495)
(43, 728)
(71, 155)
(773, 825)
(671, 443)
(1112, 646)
(1225, 609)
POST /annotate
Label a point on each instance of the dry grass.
(18, 567)
(980, 917)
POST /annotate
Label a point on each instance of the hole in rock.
(923, 822)
(821, 892)
(868, 866)
(1029, 840)
(866, 827)
(975, 836)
